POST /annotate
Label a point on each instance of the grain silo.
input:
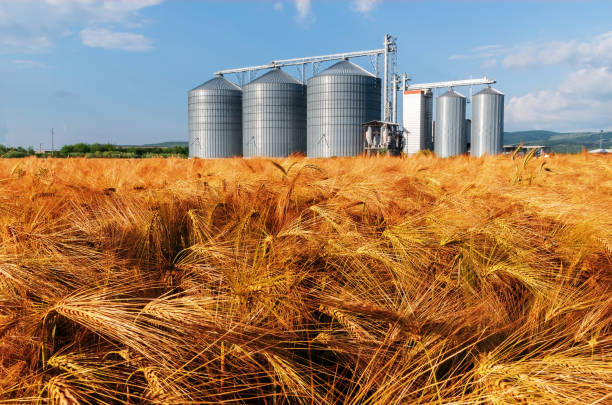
(215, 119)
(340, 99)
(450, 137)
(274, 116)
(487, 122)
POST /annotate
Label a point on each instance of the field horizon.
(358, 280)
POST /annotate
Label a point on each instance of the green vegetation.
(15, 152)
(113, 151)
(97, 150)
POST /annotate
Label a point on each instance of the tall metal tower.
(390, 64)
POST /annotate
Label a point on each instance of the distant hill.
(560, 142)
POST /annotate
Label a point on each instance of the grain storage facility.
(340, 112)
(274, 116)
(416, 120)
(450, 136)
(340, 99)
(215, 119)
(487, 122)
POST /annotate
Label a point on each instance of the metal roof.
(276, 76)
(218, 83)
(489, 90)
(345, 68)
(452, 93)
(377, 122)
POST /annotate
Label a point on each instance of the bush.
(15, 154)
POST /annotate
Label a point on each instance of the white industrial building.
(416, 120)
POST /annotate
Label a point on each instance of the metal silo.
(215, 119)
(450, 137)
(487, 122)
(340, 99)
(274, 116)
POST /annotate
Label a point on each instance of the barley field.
(297, 281)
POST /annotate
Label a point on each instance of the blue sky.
(119, 70)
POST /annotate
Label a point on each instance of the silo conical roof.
(276, 76)
(489, 90)
(452, 93)
(218, 83)
(345, 68)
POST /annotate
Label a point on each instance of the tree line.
(97, 150)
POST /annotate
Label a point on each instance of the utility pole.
(52, 145)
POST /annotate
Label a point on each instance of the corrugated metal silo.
(450, 137)
(274, 116)
(215, 119)
(340, 99)
(487, 122)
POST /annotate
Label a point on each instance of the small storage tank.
(450, 137)
(340, 100)
(487, 122)
(274, 116)
(215, 119)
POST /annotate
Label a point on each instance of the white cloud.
(551, 53)
(481, 52)
(101, 11)
(278, 6)
(27, 63)
(125, 41)
(594, 52)
(583, 100)
(488, 49)
(303, 10)
(365, 6)
(32, 26)
(592, 81)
